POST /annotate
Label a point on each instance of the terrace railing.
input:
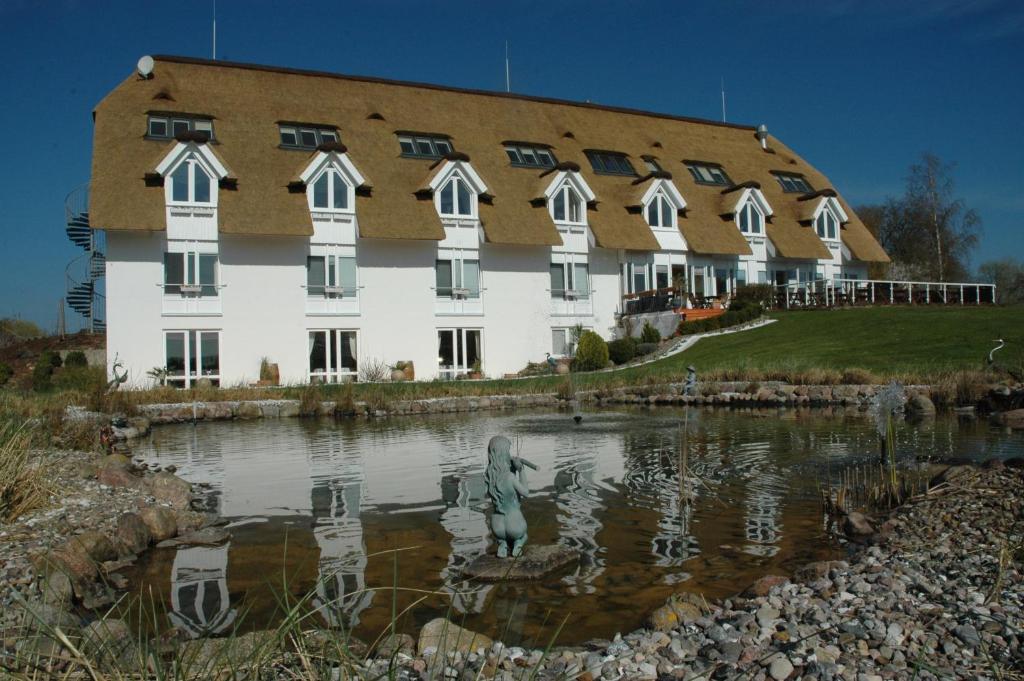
(837, 292)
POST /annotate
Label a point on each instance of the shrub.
(5, 372)
(76, 358)
(650, 334)
(50, 357)
(622, 350)
(859, 377)
(309, 400)
(761, 294)
(41, 375)
(645, 349)
(739, 312)
(374, 370)
(591, 354)
(82, 378)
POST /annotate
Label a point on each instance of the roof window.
(424, 146)
(708, 173)
(610, 163)
(652, 164)
(530, 156)
(170, 126)
(793, 182)
(306, 136)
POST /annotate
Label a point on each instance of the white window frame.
(188, 378)
(198, 156)
(749, 210)
(190, 251)
(566, 331)
(831, 206)
(565, 194)
(565, 180)
(195, 166)
(333, 339)
(570, 286)
(331, 171)
(461, 365)
(631, 267)
(665, 208)
(455, 180)
(333, 286)
(458, 257)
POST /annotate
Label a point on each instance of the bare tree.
(1008, 276)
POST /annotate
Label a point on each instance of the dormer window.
(190, 182)
(456, 199)
(170, 126)
(530, 156)
(330, 191)
(660, 212)
(424, 146)
(567, 206)
(610, 163)
(708, 173)
(306, 136)
(750, 219)
(827, 226)
(793, 183)
(652, 164)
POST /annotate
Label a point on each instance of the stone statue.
(691, 381)
(506, 485)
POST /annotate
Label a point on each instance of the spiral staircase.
(84, 274)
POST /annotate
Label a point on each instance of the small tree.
(649, 334)
(591, 354)
(1008, 276)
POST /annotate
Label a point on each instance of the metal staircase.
(84, 274)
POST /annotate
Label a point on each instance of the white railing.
(832, 292)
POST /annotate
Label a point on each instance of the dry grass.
(310, 399)
(22, 486)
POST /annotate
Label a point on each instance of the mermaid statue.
(506, 485)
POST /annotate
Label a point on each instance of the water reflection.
(463, 519)
(578, 501)
(200, 604)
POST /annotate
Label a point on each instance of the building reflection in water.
(464, 495)
(577, 499)
(762, 512)
(338, 530)
(200, 604)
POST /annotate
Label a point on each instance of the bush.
(650, 334)
(622, 350)
(83, 378)
(309, 400)
(52, 358)
(739, 312)
(5, 372)
(760, 294)
(591, 354)
(76, 358)
(646, 349)
(41, 374)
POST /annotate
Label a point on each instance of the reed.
(22, 480)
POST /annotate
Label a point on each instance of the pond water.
(323, 505)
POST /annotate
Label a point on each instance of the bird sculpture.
(993, 351)
(552, 362)
(991, 362)
(119, 378)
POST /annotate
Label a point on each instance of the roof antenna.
(215, 30)
(723, 99)
(508, 81)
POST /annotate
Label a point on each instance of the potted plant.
(474, 371)
(398, 371)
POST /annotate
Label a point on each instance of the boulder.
(56, 588)
(686, 612)
(443, 637)
(919, 405)
(210, 536)
(170, 489)
(535, 562)
(1011, 419)
(395, 644)
(132, 534)
(663, 619)
(857, 525)
(161, 522)
(96, 546)
(764, 585)
(189, 521)
(110, 643)
(43, 617)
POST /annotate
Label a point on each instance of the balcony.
(654, 300)
(839, 292)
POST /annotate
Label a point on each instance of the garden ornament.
(691, 380)
(506, 486)
(119, 378)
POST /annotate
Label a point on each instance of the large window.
(826, 225)
(424, 146)
(750, 219)
(610, 163)
(190, 273)
(330, 275)
(458, 275)
(456, 199)
(563, 341)
(330, 191)
(793, 182)
(708, 173)
(567, 206)
(332, 356)
(306, 136)
(190, 182)
(529, 156)
(570, 277)
(637, 275)
(168, 127)
(459, 352)
(190, 356)
(661, 212)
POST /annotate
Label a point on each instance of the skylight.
(306, 136)
(530, 156)
(708, 173)
(424, 146)
(793, 182)
(610, 163)
(170, 126)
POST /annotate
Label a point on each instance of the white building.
(327, 222)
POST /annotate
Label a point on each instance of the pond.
(323, 505)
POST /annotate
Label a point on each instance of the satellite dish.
(145, 66)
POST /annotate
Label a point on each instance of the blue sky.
(858, 87)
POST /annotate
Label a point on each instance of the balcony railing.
(838, 292)
(655, 300)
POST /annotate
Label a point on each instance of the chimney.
(762, 135)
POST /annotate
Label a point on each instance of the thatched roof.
(247, 102)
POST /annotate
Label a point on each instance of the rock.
(663, 619)
(764, 585)
(817, 570)
(207, 656)
(210, 536)
(686, 613)
(170, 489)
(249, 410)
(919, 405)
(1011, 419)
(535, 562)
(395, 644)
(161, 522)
(56, 589)
(132, 534)
(968, 634)
(118, 477)
(110, 643)
(857, 525)
(96, 545)
(443, 636)
(189, 521)
(44, 617)
(780, 668)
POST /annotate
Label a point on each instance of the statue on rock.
(506, 485)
